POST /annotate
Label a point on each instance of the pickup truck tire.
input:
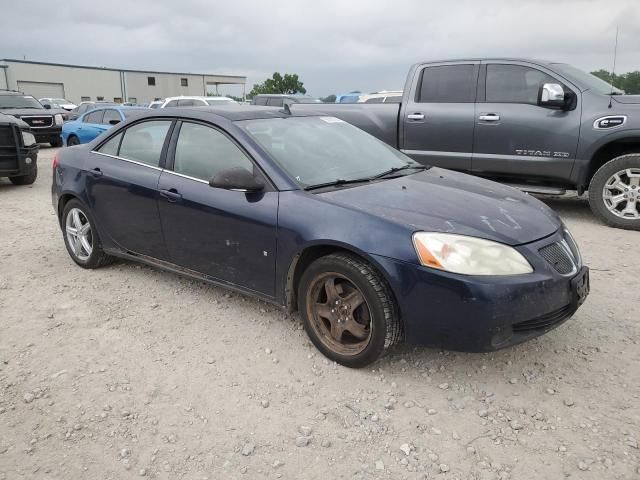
(55, 142)
(614, 192)
(348, 310)
(86, 252)
(27, 179)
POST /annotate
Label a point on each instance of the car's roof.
(14, 92)
(233, 112)
(196, 97)
(536, 61)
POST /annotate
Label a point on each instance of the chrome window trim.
(186, 176)
(127, 160)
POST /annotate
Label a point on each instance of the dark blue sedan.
(311, 213)
(94, 123)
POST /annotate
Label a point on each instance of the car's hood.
(439, 200)
(25, 112)
(628, 99)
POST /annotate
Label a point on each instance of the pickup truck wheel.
(55, 142)
(27, 179)
(614, 192)
(347, 309)
(81, 237)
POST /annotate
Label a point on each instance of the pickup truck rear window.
(448, 84)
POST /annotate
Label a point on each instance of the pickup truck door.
(514, 137)
(437, 118)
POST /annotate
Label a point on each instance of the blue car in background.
(94, 122)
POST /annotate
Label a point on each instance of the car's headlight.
(59, 119)
(28, 139)
(468, 255)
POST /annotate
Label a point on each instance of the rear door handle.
(96, 172)
(172, 195)
(416, 116)
(489, 117)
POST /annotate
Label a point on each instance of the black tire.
(97, 258)
(72, 140)
(383, 323)
(55, 142)
(27, 179)
(597, 199)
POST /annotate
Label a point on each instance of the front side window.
(260, 100)
(276, 102)
(448, 84)
(111, 147)
(94, 117)
(202, 152)
(514, 84)
(111, 116)
(316, 150)
(143, 142)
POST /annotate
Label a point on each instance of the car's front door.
(514, 137)
(437, 119)
(225, 234)
(122, 184)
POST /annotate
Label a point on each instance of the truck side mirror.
(553, 95)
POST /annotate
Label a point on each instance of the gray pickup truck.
(541, 126)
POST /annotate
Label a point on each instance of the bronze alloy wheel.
(338, 313)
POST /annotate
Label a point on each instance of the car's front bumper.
(482, 313)
(43, 135)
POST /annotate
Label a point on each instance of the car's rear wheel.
(347, 309)
(27, 179)
(81, 237)
(73, 140)
(614, 192)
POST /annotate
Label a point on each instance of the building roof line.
(117, 69)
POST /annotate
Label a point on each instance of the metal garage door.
(42, 89)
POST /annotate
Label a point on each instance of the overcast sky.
(335, 46)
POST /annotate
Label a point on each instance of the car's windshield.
(587, 80)
(219, 101)
(19, 101)
(318, 150)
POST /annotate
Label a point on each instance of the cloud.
(334, 46)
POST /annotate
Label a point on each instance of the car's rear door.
(91, 126)
(437, 118)
(227, 235)
(122, 185)
(516, 138)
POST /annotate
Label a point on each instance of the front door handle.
(416, 116)
(489, 117)
(172, 195)
(96, 172)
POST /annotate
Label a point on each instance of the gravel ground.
(128, 371)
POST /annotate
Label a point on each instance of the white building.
(81, 83)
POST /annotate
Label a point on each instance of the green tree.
(329, 99)
(629, 82)
(287, 84)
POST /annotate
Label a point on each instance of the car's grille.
(6, 137)
(8, 148)
(557, 254)
(543, 322)
(40, 121)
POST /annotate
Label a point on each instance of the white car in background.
(197, 101)
(156, 104)
(60, 102)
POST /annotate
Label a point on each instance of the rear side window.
(202, 152)
(111, 147)
(94, 117)
(260, 101)
(374, 100)
(448, 84)
(143, 142)
(186, 103)
(514, 84)
(275, 102)
(172, 103)
(109, 116)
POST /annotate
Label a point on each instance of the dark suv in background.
(18, 151)
(46, 125)
(278, 100)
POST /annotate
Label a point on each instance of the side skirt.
(171, 267)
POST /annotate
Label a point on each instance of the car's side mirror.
(47, 106)
(114, 122)
(553, 95)
(237, 178)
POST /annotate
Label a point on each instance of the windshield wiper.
(408, 166)
(338, 182)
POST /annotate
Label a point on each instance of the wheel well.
(612, 150)
(303, 260)
(62, 202)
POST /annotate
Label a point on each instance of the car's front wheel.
(81, 237)
(348, 310)
(614, 192)
(27, 179)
